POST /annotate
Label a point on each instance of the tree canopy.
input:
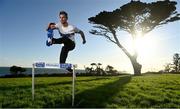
(136, 16)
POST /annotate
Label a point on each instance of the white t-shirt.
(70, 29)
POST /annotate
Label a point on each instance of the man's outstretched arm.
(82, 36)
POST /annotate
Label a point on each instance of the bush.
(15, 70)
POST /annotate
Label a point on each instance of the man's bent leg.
(64, 54)
(57, 41)
(68, 46)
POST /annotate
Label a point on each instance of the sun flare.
(145, 46)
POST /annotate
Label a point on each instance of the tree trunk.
(136, 66)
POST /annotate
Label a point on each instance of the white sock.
(49, 39)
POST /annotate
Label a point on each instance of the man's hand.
(84, 41)
(51, 26)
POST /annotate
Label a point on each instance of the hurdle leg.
(33, 68)
(73, 85)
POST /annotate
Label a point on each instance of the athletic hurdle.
(51, 65)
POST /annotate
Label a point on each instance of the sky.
(23, 36)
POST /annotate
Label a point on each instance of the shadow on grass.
(100, 96)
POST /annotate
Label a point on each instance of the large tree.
(135, 17)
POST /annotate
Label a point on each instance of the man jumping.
(67, 33)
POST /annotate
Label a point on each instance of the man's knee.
(71, 46)
(65, 49)
(57, 41)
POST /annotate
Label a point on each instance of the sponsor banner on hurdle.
(52, 65)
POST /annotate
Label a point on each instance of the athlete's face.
(63, 18)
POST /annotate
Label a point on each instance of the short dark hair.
(64, 13)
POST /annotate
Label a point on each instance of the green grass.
(148, 91)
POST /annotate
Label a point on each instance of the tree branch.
(119, 44)
(102, 33)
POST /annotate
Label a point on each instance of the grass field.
(156, 91)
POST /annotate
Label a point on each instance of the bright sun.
(145, 46)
